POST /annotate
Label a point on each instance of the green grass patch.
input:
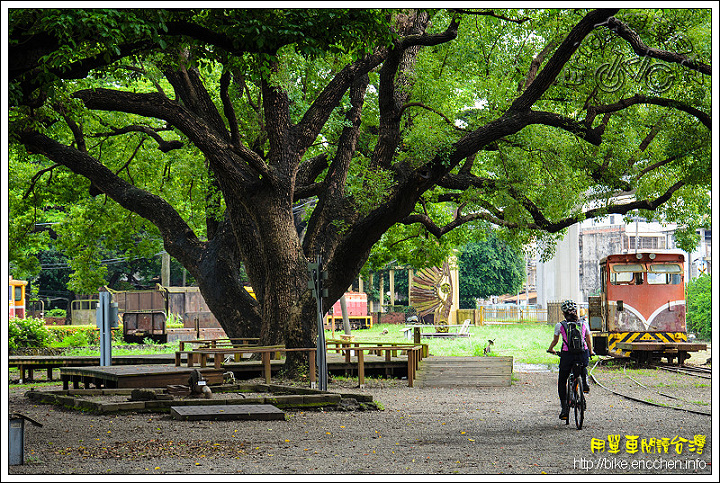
(527, 343)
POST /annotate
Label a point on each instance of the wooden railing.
(219, 351)
(266, 352)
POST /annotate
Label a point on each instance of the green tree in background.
(698, 300)
(489, 268)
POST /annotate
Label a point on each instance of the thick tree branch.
(391, 98)
(310, 169)
(535, 66)
(579, 129)
(539, 221)
(642, 49)
(562, 55)
(704, 118)
(164, 146)
(228, 108)
(319, 112)
(158, 106)
(175, 232)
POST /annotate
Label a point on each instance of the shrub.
(56, 313)
(698, 300)
(29, 332)
(87, 333)
(77, 339)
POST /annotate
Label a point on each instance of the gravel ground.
(421, 431)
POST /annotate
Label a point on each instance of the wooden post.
(361, 367)
(410, 279)
(371, 304)
(392, 287)
(266, 366)
(312, 369)
(382, 294)
(410, 367)
(165, 269)
(416, 334)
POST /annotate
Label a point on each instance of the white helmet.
(568, 306)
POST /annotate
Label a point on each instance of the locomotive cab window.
(665, 274)
(628, 273)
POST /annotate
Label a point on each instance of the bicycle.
(575, 393)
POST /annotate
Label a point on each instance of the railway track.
(678, 390)
(703, 372)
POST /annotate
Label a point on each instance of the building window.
(645, 243)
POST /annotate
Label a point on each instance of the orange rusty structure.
(641, 309)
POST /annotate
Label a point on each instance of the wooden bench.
(223, 342)
(463, 330)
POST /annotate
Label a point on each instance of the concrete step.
(261, 412)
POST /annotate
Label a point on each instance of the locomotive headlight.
(652, 256)
(638, 256)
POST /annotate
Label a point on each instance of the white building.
(574, 271)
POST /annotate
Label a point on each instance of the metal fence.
(514, 314)
(491, 314)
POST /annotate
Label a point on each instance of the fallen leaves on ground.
(160, 448)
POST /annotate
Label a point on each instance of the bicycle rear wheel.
(579, 402)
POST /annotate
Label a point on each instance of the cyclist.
(567, 359)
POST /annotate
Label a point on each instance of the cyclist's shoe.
(564, 414)
(586, 388)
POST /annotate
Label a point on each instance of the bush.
(87, 333)
(61, 313)
(698, 303)
(77, 339)
(29, 332)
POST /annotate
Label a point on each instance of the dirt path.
(421, 431)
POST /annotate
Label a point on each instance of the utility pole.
(317, 275)
(106, 318)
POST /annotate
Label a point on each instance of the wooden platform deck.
(465, 371)
(29, 364)
(140, 375)
(163, 373)
(153, 371)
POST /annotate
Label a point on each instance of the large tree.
(260, 139)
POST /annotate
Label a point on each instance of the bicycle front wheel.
(569, 399)
(579, 398)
